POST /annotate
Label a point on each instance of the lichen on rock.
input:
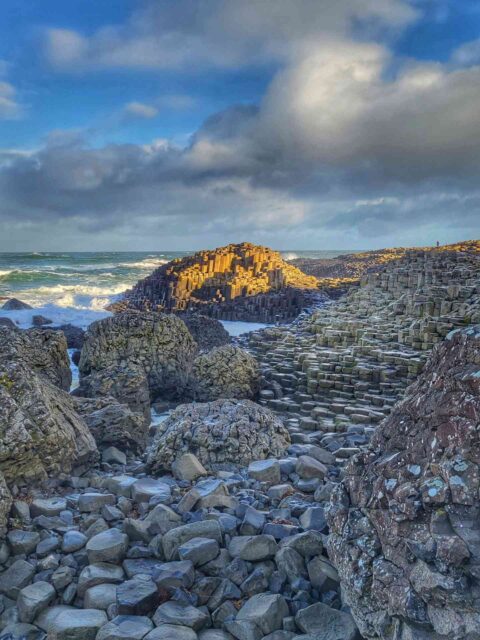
(225, 372)
(405, 527)
(222, 433)
(40, 432)
(137, 358)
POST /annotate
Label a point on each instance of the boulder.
(13, 304)
(405, 532)
(43, 351)
(41, 434)
(219, 433)
(207, 332)
(113, 423)
(73, 335)
(5, 504)
(6, 322)
(40, 321)
(137, 358)
(225, 372)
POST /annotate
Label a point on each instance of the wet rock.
(13, 304)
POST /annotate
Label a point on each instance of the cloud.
(10, 108)
(220, 33)
(140, 110)
(338, 147)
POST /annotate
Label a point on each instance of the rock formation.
(113, 423)
(225, 372)
(207, 332)
(136, 358)
(13, 304)
(40, 432)
(405, 530)
(220, 433)
(342, 369)
(44, 351)
(336, 275)
(236, 282)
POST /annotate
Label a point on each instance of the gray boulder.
(41, 435)
(14, 304)
(220, 434)
(137, 357)
(113, 423)
(225, 372)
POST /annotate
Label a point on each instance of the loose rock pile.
(124, 555)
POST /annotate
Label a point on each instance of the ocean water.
(75, 287)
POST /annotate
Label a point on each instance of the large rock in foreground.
(225, 372)
(221, 434)
(41, 434)
(136, 358)
(405, 523)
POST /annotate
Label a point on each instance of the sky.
(182, 124)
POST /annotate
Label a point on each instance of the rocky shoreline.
(323, 483)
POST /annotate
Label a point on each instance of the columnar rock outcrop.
(136, 358)
(342, 369)
(236, 282)
(40, 432)
(405, 532)
(219, 433)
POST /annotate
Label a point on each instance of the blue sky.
(295, 123)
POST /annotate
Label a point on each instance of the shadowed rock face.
(207, 332)
(220, 433)
(44, 351)
(405, 522)
(218, 282)
(40, 432)
(136, 357)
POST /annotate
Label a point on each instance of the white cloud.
(140, 110)
(10, 108)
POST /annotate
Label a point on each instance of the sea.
(75, 287)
